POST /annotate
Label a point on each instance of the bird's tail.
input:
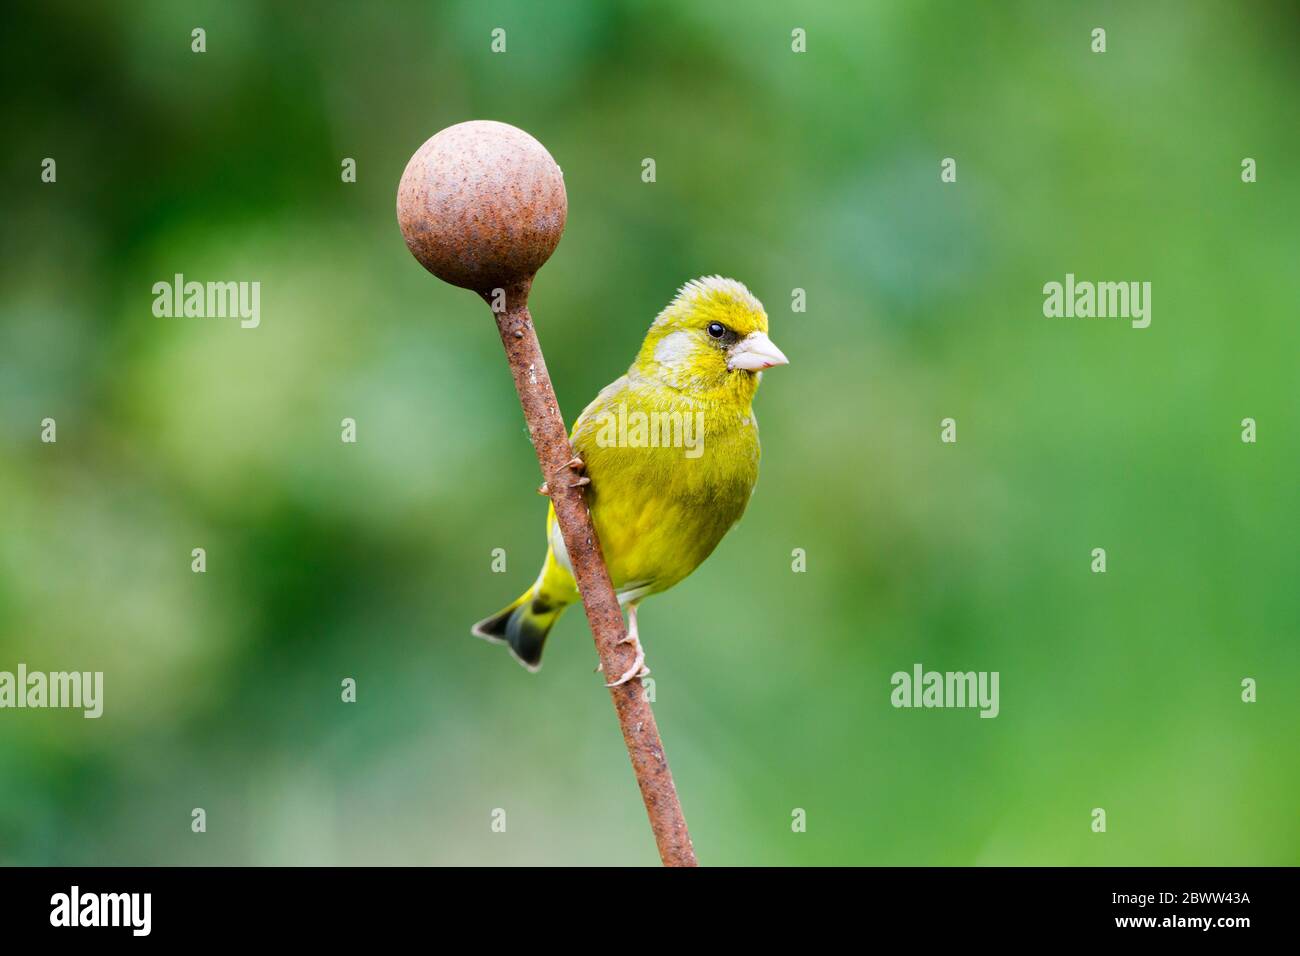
(523, 626)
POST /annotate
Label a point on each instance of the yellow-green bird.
(671, 451)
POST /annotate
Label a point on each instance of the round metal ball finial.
(482, 205)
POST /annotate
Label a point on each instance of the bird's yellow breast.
(670, 474)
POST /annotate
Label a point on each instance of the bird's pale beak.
(755, 352)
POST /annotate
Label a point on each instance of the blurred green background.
(817, 171)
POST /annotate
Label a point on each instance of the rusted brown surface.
(482, 205)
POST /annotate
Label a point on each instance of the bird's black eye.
(717, 329)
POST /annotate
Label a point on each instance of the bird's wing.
(606, 400)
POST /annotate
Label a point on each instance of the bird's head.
(712, 336)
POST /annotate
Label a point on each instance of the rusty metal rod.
(551, 442)
(482, 205)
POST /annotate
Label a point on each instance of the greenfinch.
(670, 454)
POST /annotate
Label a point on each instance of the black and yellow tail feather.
(522, 626)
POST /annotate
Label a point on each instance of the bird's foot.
(577, 465)
(638, 668)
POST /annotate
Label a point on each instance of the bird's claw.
(638, 668)
(576, 464)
